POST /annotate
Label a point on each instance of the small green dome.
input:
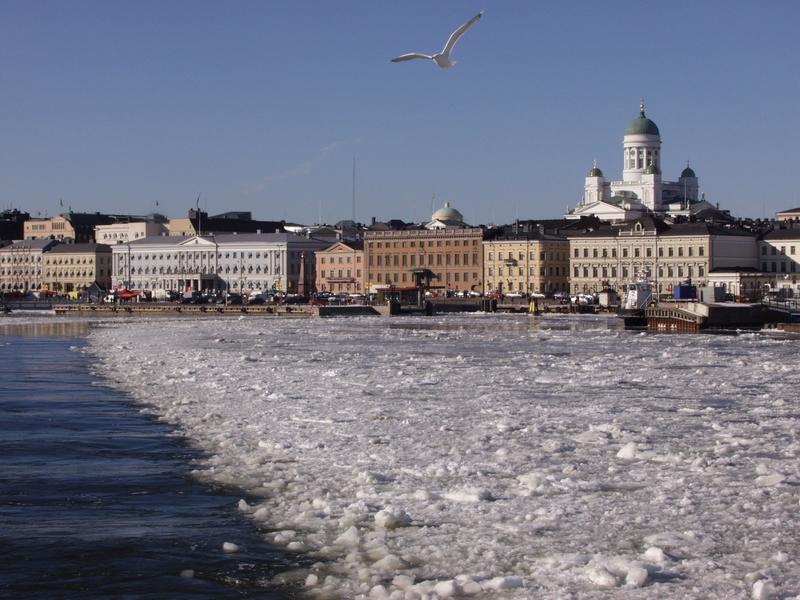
(595, 172)
(687, 172)
(652, 170)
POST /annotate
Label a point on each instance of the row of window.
(340, 273)
(341, 260)
(520, 271)
(784, 268)
(405, 277)
(612, 271)
(18, 272)
(73, 261)
(637, 252)
(521, 255)
(410, 260)
(100, 273)
(422, 244)
(20, 258)
(774, 250)
(201, 269)
(204, 255)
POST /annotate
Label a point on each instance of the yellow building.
(526, 264)
(21, 265)
(75, 267)
(666, 254)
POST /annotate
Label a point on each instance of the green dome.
(642, 125)
(595, 172)
(687, 172)
(652, 170)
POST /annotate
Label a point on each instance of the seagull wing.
(454, 37)
(411, 56)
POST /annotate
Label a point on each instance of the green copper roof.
(652, 170)
(595, 172)
(642, 125)
(687, 172)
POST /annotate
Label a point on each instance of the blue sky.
(261, 106)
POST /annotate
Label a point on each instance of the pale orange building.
(340, 268)
(453, 254)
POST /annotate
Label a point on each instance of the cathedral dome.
(447, 214)
(595, 172)
(687, 172)
(641, 125)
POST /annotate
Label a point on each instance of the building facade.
(242, 263)
(612, 255)
(453, 254)
(536, 263)
(793, 214)
(340, 268)
(75, 267)
(68, 227)
(119, 233)
(21, 265)
(779, 250)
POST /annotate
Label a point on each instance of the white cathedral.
(641, 188)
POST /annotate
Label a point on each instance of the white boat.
(637, 296)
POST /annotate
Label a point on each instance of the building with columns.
(642, 188)
(242, 263)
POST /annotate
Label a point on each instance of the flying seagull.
(443, 58)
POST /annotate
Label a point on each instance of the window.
(624, 253)
(671, 252)
(577, 253)
(649, 252)
(763, 250)
(701, 251)
(594, 252)
(680, 250)
(636, 252)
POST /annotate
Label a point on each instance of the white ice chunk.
(230, 547)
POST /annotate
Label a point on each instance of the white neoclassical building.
(235, 262)
(641, 188)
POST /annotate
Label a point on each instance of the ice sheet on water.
(425, 457)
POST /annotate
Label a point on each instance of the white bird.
(443, 58)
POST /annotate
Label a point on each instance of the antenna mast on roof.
(354, 188)
(199, 217)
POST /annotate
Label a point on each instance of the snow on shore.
(490, 456)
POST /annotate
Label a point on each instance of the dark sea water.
(96, 500)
